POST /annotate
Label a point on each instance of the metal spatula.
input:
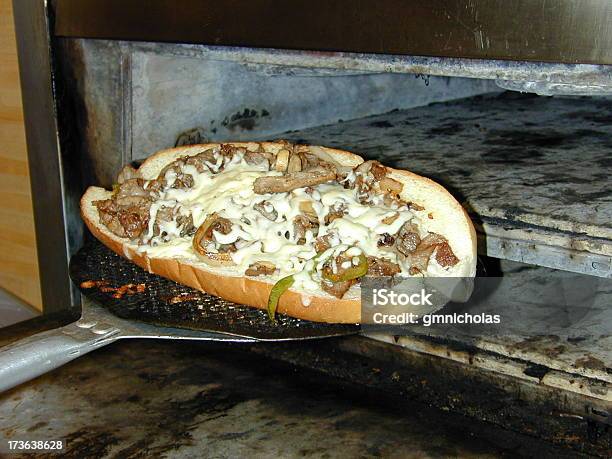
(97, 327)
(101, 273)
(152, 313)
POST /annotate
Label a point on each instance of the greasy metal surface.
(45, 172)
(532, 171)
(554, 31)
(101, 321)
(160, 399)
(168, 304)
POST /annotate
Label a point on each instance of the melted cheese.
(230, 194)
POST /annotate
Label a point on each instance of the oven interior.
(531, 168)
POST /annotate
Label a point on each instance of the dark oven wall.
(132, 99)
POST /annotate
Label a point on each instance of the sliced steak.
(293, 181)
(382, 267)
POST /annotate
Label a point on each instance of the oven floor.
(162, 399)
(13, 310)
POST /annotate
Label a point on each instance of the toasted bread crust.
(319, 306)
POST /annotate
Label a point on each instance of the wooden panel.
(18, 258)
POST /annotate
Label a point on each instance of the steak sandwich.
(282, 227)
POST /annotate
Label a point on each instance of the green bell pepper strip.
(351, 273)
(284, 284)
(281, 286)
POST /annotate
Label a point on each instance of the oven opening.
(191, 334)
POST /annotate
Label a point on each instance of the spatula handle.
(40, 353)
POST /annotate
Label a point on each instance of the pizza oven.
(507, 104)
